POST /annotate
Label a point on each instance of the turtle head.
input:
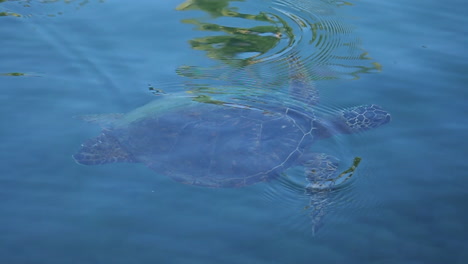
(364, 117)
(353, 120)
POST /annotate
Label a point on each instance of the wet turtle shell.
(202, 141)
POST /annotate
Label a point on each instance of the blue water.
(407, 203)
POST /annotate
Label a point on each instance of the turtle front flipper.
(321, 171)
(101, 150)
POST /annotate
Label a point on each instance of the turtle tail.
(101, 150)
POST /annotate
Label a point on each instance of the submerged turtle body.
(204, 143)
(222, 142)
(226, 142)
(207, 142)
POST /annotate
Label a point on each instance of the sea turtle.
(225, 142)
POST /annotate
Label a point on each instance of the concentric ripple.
(312, 207)
(253, 44)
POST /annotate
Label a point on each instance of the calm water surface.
(407, 200)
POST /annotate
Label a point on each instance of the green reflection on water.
(13, 74)
(322, 40)
(236, 40)
(215, 8)
(207, 100)
(9, 14)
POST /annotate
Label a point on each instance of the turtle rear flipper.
(101, 150)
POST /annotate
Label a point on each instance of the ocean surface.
(406, 202)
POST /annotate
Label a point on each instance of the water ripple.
(256, 56)
(31, 8)
(312, 208)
